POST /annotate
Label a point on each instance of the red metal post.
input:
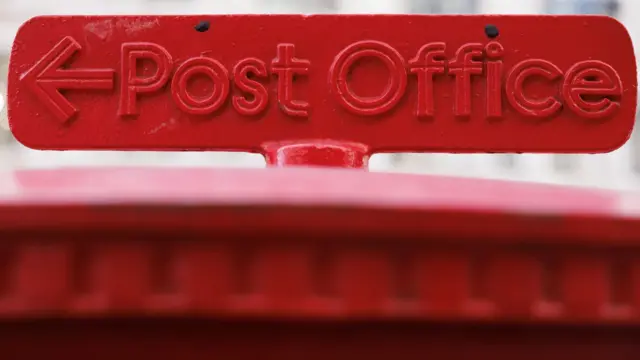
(317, 153)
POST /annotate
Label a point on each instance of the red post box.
(300, 260)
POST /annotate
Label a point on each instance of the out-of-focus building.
(619, 170)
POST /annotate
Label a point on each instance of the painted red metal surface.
(314, 244)
(317, 263)
(313, 263)
(202, 339)
(388, 83)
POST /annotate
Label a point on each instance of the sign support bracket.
(326, 153)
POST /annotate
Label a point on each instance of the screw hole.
(491, 31)
(202, 26)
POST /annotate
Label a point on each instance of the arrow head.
(46, 78)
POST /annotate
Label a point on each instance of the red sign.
(391, 83)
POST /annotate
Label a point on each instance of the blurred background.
(617, 170)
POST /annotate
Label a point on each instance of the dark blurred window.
(507, 161)
(565, 163)
(444, 6)
(302, 6)
(596, 7)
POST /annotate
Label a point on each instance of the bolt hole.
(202, 26)
(491, 31)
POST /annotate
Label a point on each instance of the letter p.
(132, 84)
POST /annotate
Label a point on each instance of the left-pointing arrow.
(47, 77)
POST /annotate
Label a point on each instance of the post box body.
(313, 263)
(317, 263)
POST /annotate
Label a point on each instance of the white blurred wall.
(619, 170)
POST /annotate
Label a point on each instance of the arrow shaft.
(47, 76)
(80, 79)
(81, 74)
(78, 84)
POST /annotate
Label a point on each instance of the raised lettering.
(429, 60)
(131, 84)
(368, 106)
(258, 93)
(594, 79)
(494, 52)
(534, 87)
(203, 105)
(285, 66)
(48, 76)
(515, 88)
(467, 62)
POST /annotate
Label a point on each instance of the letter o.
(208, 67)
(368, 106)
